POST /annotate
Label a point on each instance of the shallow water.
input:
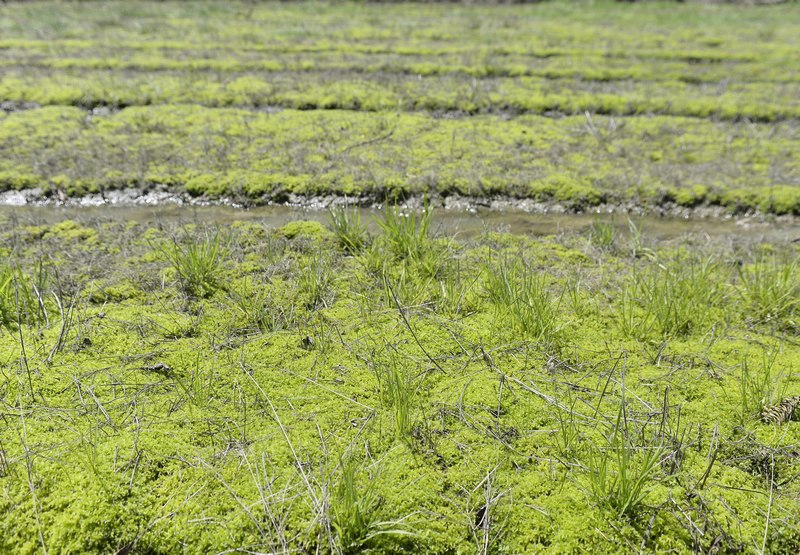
(461, 222)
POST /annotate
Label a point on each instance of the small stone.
(159, 368)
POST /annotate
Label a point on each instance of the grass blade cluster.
(771, 287)
(350, 232)
(621, 473)
(523, 296)
(22, 296)
(673, 298)
(197, 262)
(407, 235)
(355, 505)
(761, 383)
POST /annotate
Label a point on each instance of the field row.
(309, 90)
(256, 157)
(553, 63)
(689, 33)
(314, 388)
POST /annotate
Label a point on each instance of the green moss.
(780, 200)
(693, 196)
(314, 231)
(141, 419)
(739, 200)
(11, 180)
(115, 291)
(176, 416)
(212, 185)
(69, 230)
(382, 156)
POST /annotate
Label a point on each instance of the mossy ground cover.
(581, 104)
(579, 161)
(187, 388)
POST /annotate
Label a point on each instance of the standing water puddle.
(447, 222)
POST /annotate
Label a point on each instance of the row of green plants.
(259, 158)
(698, 31)
(442, 91)
(517, 44)
(685, 67)
(660, 295)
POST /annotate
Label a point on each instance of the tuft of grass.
(315, 282)
(636, 242)
(771, 289)
(760, 385)
(398, 390)
(619, 472)
(603, 234)
(455, 291)
(21, 296)
(259, 310)
(407, 235)
(399, 393)
(523, 296)
(675, 298)
(350, 232)
(355, 505)
(568, 435)
(197, 261)
(8, 307)
(409, 287)
(577, 300)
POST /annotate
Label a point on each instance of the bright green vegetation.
(665, 104)
(318, 388)
(731, 62)
(378, 386)
(579, 161)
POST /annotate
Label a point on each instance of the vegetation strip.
(379, 91)
(580, 161)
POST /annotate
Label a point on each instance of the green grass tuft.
(350, 232)
(197, 262)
